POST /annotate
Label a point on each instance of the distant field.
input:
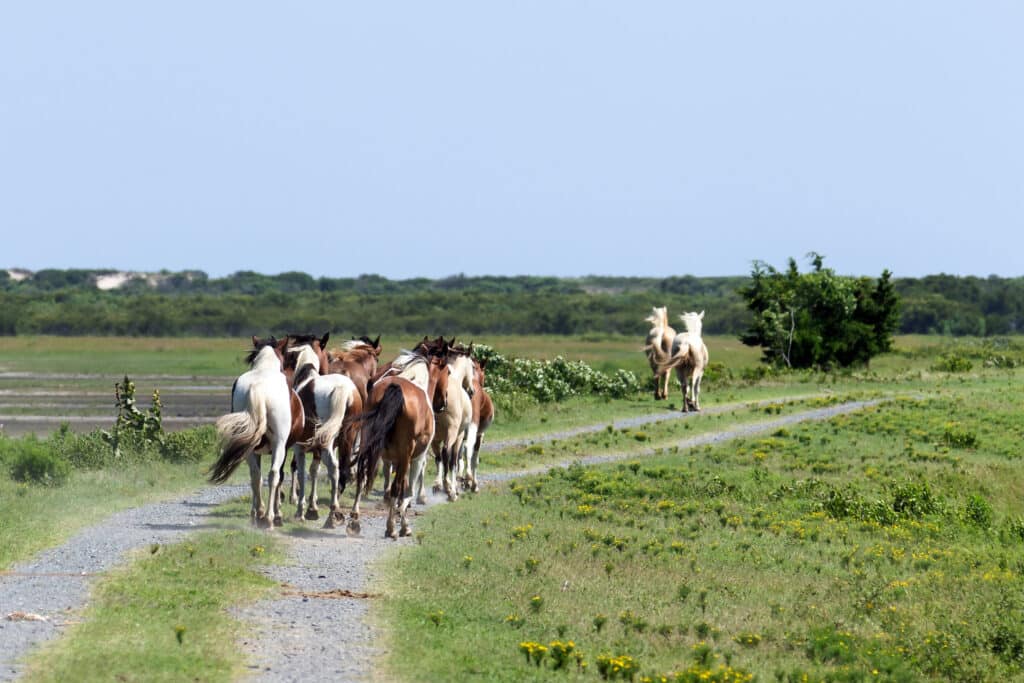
(223, 357)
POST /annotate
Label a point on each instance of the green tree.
(819, 319)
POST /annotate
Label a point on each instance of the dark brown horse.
(397, 429)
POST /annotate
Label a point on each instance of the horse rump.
(378, 424)
(240, 433)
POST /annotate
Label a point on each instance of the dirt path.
(317, 624)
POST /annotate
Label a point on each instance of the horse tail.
(239, 435)
(340, 401)
(681, 355)
(378, 424)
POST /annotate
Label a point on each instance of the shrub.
(978, 512)
(33, 461)
(952, 362)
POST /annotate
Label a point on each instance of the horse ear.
(483, 363)
(323, 340)
(376, 342)
(701, 316)
(255, 340)
(469, 351)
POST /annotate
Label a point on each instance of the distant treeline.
(68, 302)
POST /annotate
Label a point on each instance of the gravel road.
(317, 624)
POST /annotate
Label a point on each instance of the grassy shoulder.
(35, 517)
(163, 617)
(882, 545)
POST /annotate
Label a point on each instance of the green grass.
(35, 517)
(883, 545)
(163, 617)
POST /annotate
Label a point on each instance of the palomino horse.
(689, 358)
(330, 402)
(397, 428)
(266, 415)
(451, 425)
(483, 416)
(658, 348)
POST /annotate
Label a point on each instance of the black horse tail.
(378, 425)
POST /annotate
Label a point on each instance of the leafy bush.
(33, 461)
(545, 381)
(952, 362)
(978, 512)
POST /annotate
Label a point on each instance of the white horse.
(327, 399)
(452, 425)
(483, 416)
(689, 358)
(264, 415)
(658, 348)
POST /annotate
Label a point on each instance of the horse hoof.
(436, 488)
(278, 521)
(329, 523)
(421, 500)
(312, 514)
(265, 523)
(476, 487)
(405, 531)
(354, 528)
(452, 497)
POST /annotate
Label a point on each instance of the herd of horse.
(338, 406)
(685, 352)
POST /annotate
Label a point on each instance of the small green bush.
(952, 362)
(33, 461)
(978, 512)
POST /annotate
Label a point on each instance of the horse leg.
(683, 380)
(466, 467)
(417, 474)
(273, 517)
(314, 471)
(399, 488)
(296, 492)
(298, 480)
(362, 481)
(256, 511)
(698, 376)
(438, 450)
(329, 456)
(419, 463)
(386, 474)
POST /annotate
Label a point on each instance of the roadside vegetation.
(164, 616)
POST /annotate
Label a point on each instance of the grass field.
(885, 545)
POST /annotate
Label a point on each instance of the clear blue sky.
(556, 138)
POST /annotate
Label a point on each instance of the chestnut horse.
(397, 428)
(330, 402)
(266, 415)
(356, 359)
(483, 416)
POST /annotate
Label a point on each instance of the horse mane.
(305, 362)
(302, 339)
(407, 359)
(350, 345)
(693, 322)
(259, 345)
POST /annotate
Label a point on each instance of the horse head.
(438, 376)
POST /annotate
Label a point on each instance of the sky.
(425, 139)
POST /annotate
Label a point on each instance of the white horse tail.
(239, 434)
(340, 401)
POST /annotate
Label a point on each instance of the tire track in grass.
(315, 626)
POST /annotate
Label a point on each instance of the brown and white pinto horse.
(330, 403)
(316, 344)
(483, 416)
(266, 415)
(397, 428)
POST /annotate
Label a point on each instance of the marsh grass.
(163, 617)
(868, 547)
